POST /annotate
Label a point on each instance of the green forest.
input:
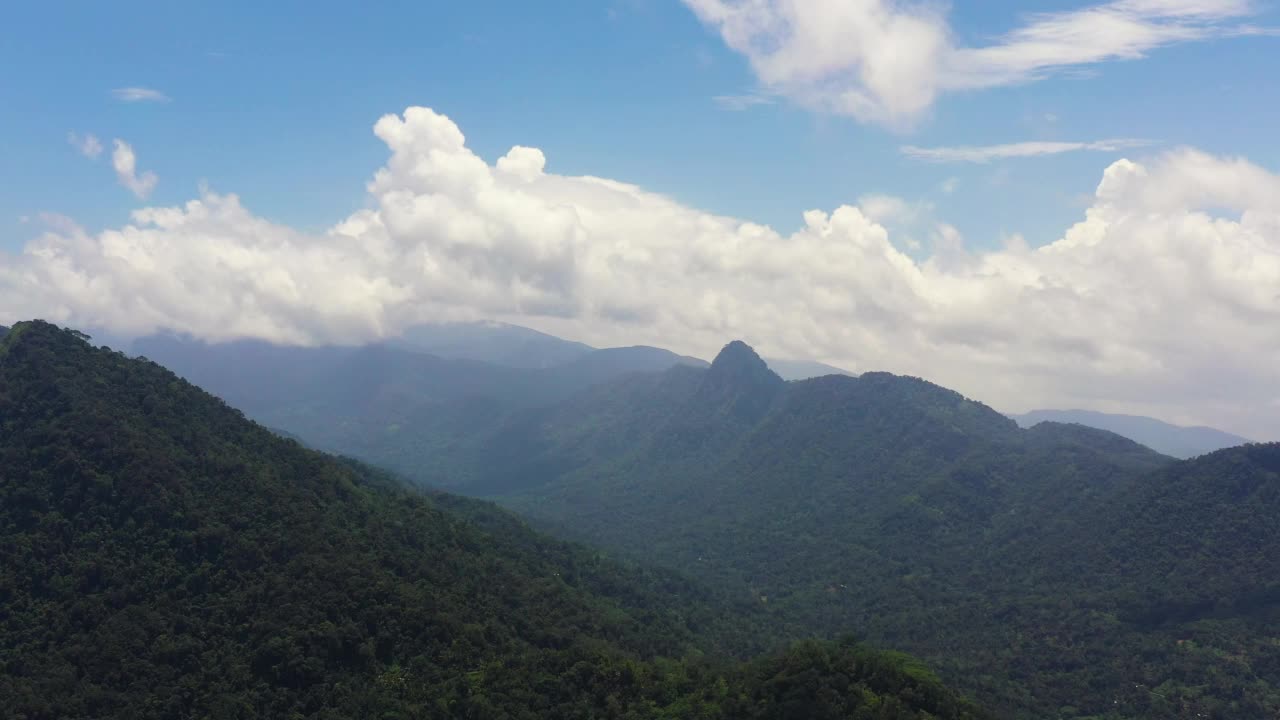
(165, 557)
(722, 535)
(1052, 572)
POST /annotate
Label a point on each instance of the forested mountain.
(1017, 561)
(395, 404)
(881, 504)
(3, 331)
(164, 557)
(1173, 440)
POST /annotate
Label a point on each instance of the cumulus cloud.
(139, 94)
(1162, 299)
(887, 61)
(987, 153)
(87, 145)
(126, 165)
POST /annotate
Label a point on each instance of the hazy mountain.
(382, 403)
(1173, 440)
(492, 342)
(515, 346)
(3, 331)
(164, 557)
(803, 369)
(600, 365)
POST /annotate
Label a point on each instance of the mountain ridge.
(896, 506)
(165, 557)
(1178, 441)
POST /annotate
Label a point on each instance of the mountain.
(3, 331)
(601, 365)
(165, 557)
(393, 404)
(1005, 557)
(803, 369)
(492, 342)
(878, 503)
(1173, 440)
(383, 403)
(1196, 540)
(509, 345)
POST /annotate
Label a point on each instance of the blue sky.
(1076, 207)
(275, 102)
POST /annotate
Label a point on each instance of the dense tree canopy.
(1057, 571)
(161, 556)
(1030, 566)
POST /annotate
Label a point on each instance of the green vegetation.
(1059, 571)
(1054, 572)
(161, 556)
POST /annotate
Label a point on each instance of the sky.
(1076, 206)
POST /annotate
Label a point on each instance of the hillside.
(879, 503)
(164, 557)
(398, 406)
(385, 404)
(924, 520)
(1172, 440)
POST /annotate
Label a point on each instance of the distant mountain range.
(515, 346)
(492, 342)
(1173, 440)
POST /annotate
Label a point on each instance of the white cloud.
(87, 145)
(987, 153)
(126, 166)
(891, 210)
(1161, 300)
(139, 94)
(738, 103)
(887, 62)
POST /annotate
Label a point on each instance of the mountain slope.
(381, 403)
(1219, 509)
(1173, 440)
(924, 520)
(164, 557)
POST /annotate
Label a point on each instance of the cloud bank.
(1164, 298)
(887, 61)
